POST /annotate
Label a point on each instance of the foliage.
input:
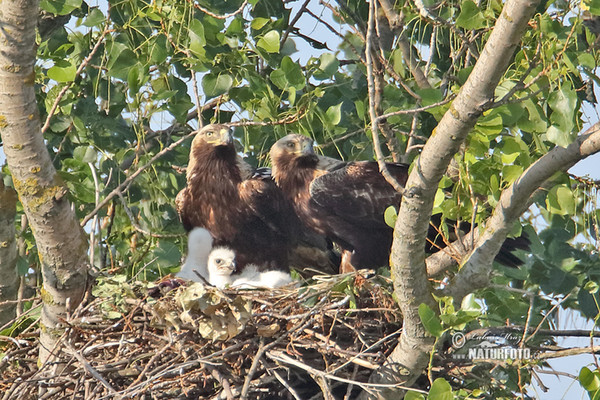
(160, 64)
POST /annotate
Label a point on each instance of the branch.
(130, 178)
(411, 286)
(514, 201)
(372, 100)
(83, 64)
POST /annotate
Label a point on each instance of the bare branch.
(374, 121)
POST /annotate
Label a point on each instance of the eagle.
(242, 208)
(346, 202)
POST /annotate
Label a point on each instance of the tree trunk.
(8, 253)
(411, 286)
(61, 243)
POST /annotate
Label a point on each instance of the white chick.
(199, 246)
(221, 264)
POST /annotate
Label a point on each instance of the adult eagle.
(242, 210)
(346, 202)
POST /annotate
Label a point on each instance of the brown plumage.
(343, 201)
(246, 212)
(346, 202)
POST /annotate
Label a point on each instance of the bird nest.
(140, 340)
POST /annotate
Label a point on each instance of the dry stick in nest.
(90, 369)
(306, 320)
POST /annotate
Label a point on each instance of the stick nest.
(140, 340)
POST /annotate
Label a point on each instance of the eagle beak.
(308, 147)
(226, 136)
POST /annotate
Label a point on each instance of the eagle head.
(215, 135)
(293, 145)
(221, 261)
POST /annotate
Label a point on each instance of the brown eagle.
(346, 202)
(244, 211)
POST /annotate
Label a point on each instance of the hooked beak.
(308, 148)
(226, 136)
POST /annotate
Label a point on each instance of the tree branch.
(513, 202)
(410, 357)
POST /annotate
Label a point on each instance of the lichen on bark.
(8, 253)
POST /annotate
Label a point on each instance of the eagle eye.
(218, 261)
(291, 145)
(209, 133)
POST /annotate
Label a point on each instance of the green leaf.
(289, 75)
(197, 39)
(259, 22)
(63, 73)
(411, 395)
(534, 120)
(560, 200)
(589, 380)
(469, 303)
(60, 7)
(216, 84)
(430, 320)
(94, 18)
(440, 390)
(390, 216)
(563, 103)
(85, 154)
(334, 114)
(588, 304)
(22, 266)
(120, 59)
(269, 42)
(511, 172)
(470, 16)
(328, 66)
(167, 254)
(594, 6)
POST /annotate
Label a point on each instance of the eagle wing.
(266, 201)
(358, 193)
(180, 205)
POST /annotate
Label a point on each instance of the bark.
(61, 243)
(9, 283)
(475, 273)
(410, 357)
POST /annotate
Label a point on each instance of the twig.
(252, 370)
(224, 382)
(286, 385)
(95, 220)
(83, 64)
(374, 121)
(284, 358)
(134, 175)
(137, 227)
(566, 352)
(91, 369)
(301, 11)
(217, 16)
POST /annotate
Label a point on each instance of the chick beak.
(231, 266)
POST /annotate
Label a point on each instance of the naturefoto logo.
(483, 345)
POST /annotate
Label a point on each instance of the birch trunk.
(61, 243)
(9, 283)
